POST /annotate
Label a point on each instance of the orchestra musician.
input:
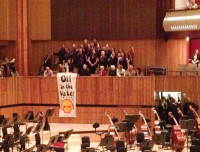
(186, 109)
(162, 110)
(173, 108)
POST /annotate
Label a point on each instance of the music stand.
(47, 127)
(159, 139)
(106, 141)
(122, 126)
(67, 134)
(132, 118)
(49, 112)
(38, 127)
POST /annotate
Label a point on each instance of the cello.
(197, 117)
(112, 129)
(145, 128)
(131, 134)
(157, 122)
(178, 139)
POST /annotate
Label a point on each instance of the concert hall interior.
(99, 75)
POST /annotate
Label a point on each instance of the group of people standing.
(91, 58)
(7, 68)
(177, 107)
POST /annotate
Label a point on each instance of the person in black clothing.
(92, 62)
(123, 61)
(162, 110)
(173, 107)
(81, 60)
(186, 109)
(113, 59)
(61, 53)
(103, 60)
(85, 71)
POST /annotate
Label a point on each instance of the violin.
(131, 134)
(178, 138)
(156, 122)
(112, 129)
(145, 128)
(197, 117)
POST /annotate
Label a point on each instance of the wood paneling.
(103, 19)
(171, 53)
(96, 114)
(7, 19)
(8, 50)
(90, 90)
(188, 84)
(144, 51)
(40, 19)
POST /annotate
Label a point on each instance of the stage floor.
(80, 130)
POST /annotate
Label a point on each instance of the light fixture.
(187, 39)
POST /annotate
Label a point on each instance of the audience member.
(112, 71)
(196, 57)
(94, 56)
(14, 72)
(61, 53)
(102, 71)
(92, 62)
(1, 71)
(41, 71)
(191, 4)
(103, 60)
(121, 71)
(130, 71)
(85, 71)
(48, 72)
(123, 61)
(61, 68)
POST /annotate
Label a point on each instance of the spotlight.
(187, 38)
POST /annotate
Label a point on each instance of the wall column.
(23, 40)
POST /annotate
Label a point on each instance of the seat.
(194, 148)
(50, 144)
(37, 139)
(119, 145)
(95, 126)
(85, 142)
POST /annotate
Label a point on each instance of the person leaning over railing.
(191, 4)
(48, 72)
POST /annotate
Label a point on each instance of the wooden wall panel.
(144, 51)
(7, 19)
(40, 19)
(187, 84)
(8, 50)
(171, 53)
(97, 114)
(103, 19)
(90, 91)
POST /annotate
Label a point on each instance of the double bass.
(197, 117)
(178, 139)
(131, 134)
(112, 129)
(145, 128)
(157, 122)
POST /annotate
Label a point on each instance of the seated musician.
(186, 109)
(173, 108)
(195, 57)
(191, 4)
